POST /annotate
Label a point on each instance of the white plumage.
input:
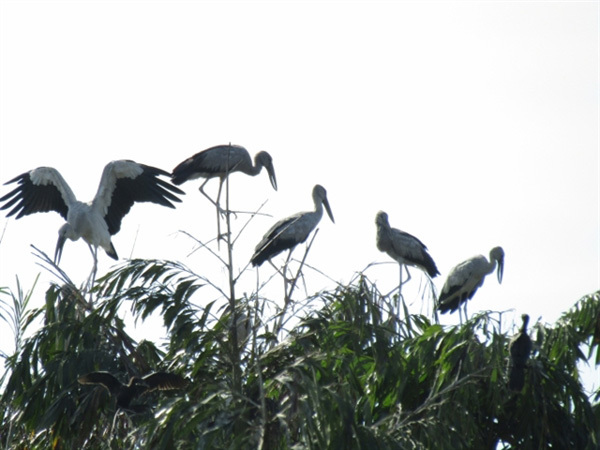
(293, 230)
(468, 276)
(122, 184)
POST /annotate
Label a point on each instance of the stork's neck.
(252, 170)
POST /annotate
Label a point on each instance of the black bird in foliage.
(125, 393)
(519, 348)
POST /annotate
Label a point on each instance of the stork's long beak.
(500, 269)
(272, 178)
(62, 237)
(328, 209)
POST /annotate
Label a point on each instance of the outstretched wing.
(39, 190)
(106, 379)
(165, 381)
(124, 183)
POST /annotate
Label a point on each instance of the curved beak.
(328, 209)
(500, 269)
(272, 178)
(62, 237)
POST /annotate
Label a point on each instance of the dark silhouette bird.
(404, 248)
(126, 393)
(464, 280)
(220, 161)
(122, 184)
(293, 230)
(519, 348)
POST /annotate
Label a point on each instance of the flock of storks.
(126, 182)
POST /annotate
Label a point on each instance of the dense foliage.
(347, 368)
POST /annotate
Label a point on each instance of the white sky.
(471, 124)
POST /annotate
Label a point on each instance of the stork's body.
(468, 276)
(219, 162)
(293, 230)
(404, 248)
(126, 393)
(519, 348)
(122, 184)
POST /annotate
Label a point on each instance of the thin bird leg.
(92, 278)
(208, 196)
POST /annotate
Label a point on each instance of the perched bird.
(293, 230)
(122, 184)
(464, 280)
(404, 248)
(220, 161)
(126, 393)
(519, 348)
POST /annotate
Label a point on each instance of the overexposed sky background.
(472, 124)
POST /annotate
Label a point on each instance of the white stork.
(293, 230)
(122, 184)
(464, 280)
(404, 248)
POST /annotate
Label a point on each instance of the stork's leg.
(92, 278)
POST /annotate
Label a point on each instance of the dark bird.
(293, 230)
(126, 393)
(519, 348)
(464, 280)
(220, 161)
(404, 248)
(122, 184)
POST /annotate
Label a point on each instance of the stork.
(122, 184)
(519, 348)
(464, 280)
(404, 248)
(220, 161)
(293, 230)
(126, 393)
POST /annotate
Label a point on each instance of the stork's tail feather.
(112, 253)
(516, 378)
(431, 268)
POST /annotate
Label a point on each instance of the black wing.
(124, 183)
(165, 381)
(275, 241)
(39, 190)
(106, 379)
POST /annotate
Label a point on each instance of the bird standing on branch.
(519, 348)
(403, 248)
(293, 230)
(464, 280)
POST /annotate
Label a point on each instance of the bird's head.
(63, 234)
(381, 219)
(320, 196)
(525, 318)
(264, 159)
(497, 254)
